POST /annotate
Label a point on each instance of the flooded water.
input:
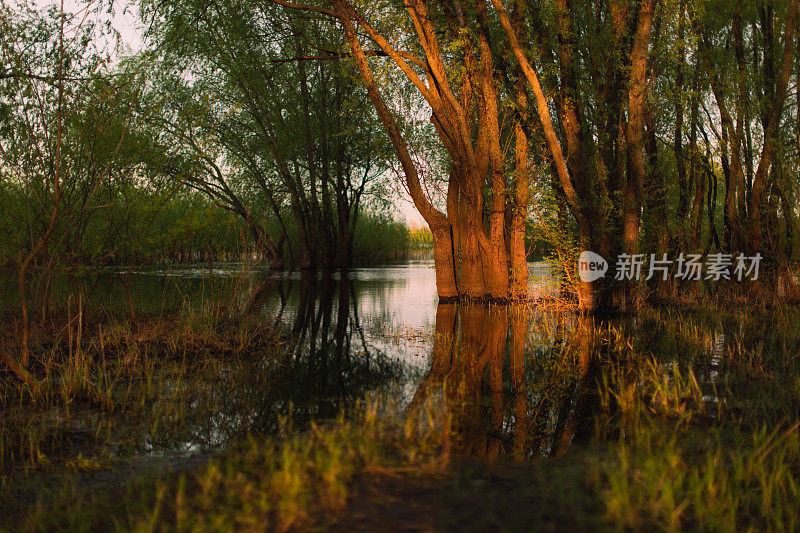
(525, 381)
(247, 372)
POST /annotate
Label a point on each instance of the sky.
(124, 17)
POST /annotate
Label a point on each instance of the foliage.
(267, 133)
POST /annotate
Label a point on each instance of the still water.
(527, 378)
(525, 381)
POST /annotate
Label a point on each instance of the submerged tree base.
(483, 300)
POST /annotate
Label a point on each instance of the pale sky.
(125, 21)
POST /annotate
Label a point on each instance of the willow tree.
(273, 120)
(454, 55)
(590, 184)
(46, 80)
(646, 112)
(750, 88)
(447, 55)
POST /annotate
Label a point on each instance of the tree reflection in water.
(519, 382)
(513, 387)
(323, 365)
(330, 364)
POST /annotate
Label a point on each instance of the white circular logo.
(591, 266)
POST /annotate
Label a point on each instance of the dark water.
(525, 381)
(522, 382)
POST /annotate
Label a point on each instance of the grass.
(129, 395)
(277, 484)
(717, 481)
(693, 419)
(302, 479)
(127, 377)
(717, 451)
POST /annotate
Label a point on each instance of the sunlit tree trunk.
(519, 210)
(587, 300)
(497, 271)
(446, 286)
(637, 95)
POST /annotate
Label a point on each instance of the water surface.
(524, 381)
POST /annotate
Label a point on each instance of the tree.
(587, 68)
(250, 112)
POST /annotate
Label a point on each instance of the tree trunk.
(637, 94)
(446, 281)
(446, 286)
(496, 274)
(770, 133)
(519, 213)
(473, 281)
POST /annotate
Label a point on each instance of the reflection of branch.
(257, 298)
(358, 327)
(282, 296)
